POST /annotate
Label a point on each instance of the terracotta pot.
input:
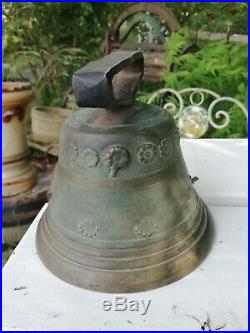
(19, 211)
(46, 123)
(17, 175)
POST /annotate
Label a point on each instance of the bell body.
(18, 175)
(124, 216)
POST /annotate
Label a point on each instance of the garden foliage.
(46, 42)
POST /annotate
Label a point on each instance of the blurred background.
(185, 44)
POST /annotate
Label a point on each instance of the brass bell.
(124, 215)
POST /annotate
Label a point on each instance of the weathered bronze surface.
(124, 215)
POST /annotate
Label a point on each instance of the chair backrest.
(197, 109)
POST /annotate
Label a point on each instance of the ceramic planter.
(46, 123)
(19, 211)
(17, 175)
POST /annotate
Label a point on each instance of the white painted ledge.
(222, 168)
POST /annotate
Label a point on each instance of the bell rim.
(164, 273)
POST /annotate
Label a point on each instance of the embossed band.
(117, 157)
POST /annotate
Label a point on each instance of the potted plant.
(17, 175)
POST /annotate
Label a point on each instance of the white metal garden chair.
(196, 109)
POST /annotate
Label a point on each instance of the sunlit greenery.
(219, 66)
(46, 42)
